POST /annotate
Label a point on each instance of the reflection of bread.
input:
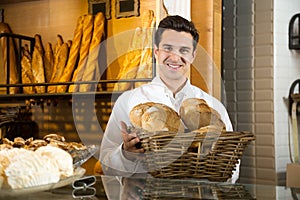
(155, 117)
(195, 114)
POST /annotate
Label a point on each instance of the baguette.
(61, 61)
(48, 62)
(59, 42)
(131, 61)
(73, 55)
(84, 51)
(13, 78)
(38, 64)
(92, 71)
(145, 67)
(140, 52)
(27, 76)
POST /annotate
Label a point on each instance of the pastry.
(62, 158)
(54, 136)
(28, 169)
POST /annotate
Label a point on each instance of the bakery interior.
(249, 59)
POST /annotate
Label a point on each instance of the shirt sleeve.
(111, 153)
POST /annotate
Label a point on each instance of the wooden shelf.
(14, 1)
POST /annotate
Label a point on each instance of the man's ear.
(194, 55)
(155, 51)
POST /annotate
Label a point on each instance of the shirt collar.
(185, 91)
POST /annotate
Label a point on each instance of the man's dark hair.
(179, 24)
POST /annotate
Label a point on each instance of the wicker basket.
(205, 154)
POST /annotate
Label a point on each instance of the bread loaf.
(154, 117)
(13, 78)
(92, 71)
(196, 113)
(131, 62)
(145, 67)
(59, 42)
(48, 62)
(26, 70)
(73, 55)
(140, 51)
(88, 25)
(38, 64)
(61, 61)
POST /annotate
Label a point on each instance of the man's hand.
(130, 140)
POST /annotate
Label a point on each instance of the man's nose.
(174, 55)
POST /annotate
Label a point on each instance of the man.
(176, 40)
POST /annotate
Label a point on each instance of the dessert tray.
(8, 192)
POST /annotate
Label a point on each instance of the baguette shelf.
(7, 97)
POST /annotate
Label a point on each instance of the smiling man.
(175, 47)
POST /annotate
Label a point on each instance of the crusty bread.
(131, 61)
(13, 79)
(196, 113)
(92, 71)
(48, 62)
(59, 42)
(153, 117)
(27, 76)
(60, 66)
(88, 25)
(73, 55)
(138, 60)
(145, 67)
(38, 64)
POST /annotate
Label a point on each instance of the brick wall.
(258, 71)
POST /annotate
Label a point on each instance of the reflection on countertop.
(113, 187)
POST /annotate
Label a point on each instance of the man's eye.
(184, 51)
(169, 49)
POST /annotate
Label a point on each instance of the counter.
(111, 187)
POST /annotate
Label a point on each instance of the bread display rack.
(7, 96)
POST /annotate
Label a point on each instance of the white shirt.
(111, 155)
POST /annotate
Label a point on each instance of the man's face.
(174, 54)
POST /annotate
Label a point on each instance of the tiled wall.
(258, 71)
(286, 70)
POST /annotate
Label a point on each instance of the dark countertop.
(110, 187)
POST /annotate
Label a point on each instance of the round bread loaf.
(196, 113)
(154, 117)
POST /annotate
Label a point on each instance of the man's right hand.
(130, 140)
